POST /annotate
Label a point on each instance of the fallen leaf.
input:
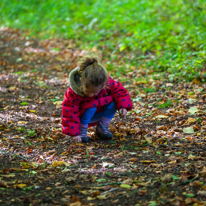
(191, 157)
(101, 197)
(148, 161)
(203, 172)
(90, 198)
(132, 159)
(76, 204)
(127, 181)
(77, 186)
(70, 180)
(125, 186)
(3, 184)
(75, 199)
(57, 163)
(22, 122)
(9, 175)
(193, 110)
(85, 192)
(191, 120)
(95, 193)
(105, 164)
(50, 152)
(101, 180)
(202, 193)
(188, 130)
(148, 139)
(20, 186)
(58, 104)
(24, 103)
(33, 111)
(161, 117)
(57, 184)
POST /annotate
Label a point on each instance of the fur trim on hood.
(75, 83)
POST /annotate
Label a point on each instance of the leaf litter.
(157, 155)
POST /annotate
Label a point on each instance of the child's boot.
(102, 131)
(83, 133)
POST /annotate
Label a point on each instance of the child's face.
(91, 91)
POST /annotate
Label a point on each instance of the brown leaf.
(26, 200)
(75, 199)
(108, 187)
(127, 181)
(76, 204)
(162, 128)
(50, 152)
(202, 193)
(148, 161)
(167, 178)
(57, 184)
(3, 184)
(77, 186)
(197, 184)
(188, 200)
(132, 159)
(94, 194)
(6, 170)
(70, 180)
(203, 172)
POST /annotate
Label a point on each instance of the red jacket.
(74, 105)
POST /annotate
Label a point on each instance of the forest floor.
(157, 155)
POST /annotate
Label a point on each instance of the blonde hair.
(92, 72)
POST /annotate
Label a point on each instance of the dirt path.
(154, 158)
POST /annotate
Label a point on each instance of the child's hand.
(122, 112)
(77, 139)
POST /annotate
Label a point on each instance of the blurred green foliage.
(164, 36)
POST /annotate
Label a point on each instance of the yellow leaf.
(20, 186)
(7, 107)
(84, 192)
(67, 164)
(172, 162)
(57, 163)
(196, 81)
(33, 111)
(22, 122)
(101, 197)
(148, 139)
(191, 157)
(48, 188)
(191, 120)
(148, 161)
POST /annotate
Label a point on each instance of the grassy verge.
(161, 36)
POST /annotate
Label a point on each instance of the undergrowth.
(167, 37)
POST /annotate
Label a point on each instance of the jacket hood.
(74, 81)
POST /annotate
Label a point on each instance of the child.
(92, 99)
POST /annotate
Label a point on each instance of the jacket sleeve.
(120, 95)
(70, 113)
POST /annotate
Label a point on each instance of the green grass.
(163, 36)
